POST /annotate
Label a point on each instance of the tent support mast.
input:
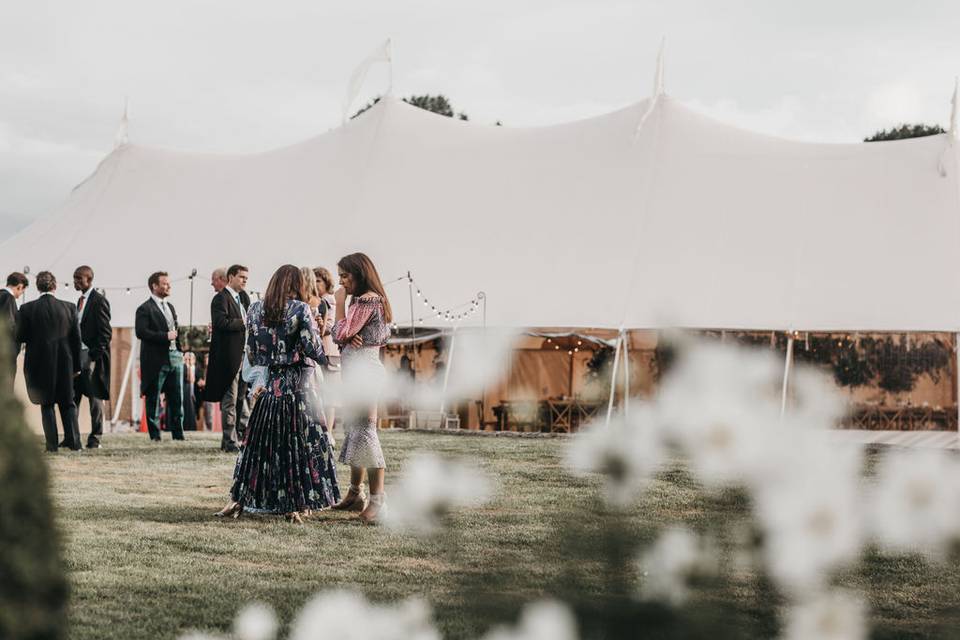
(483, 391)
(127, 372)
(446, 370)
(413, 322)
(787, 365)
(956, 345)
(626, 371)
(613, 378)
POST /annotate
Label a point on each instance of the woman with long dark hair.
(286, 464)
(361, 331)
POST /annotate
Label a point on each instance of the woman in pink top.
(361, 331)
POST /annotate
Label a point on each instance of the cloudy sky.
(245, 76)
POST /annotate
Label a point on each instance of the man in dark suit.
(228, 317)
(161, 360)
(51, 333)
(93, 310)
(16, 284)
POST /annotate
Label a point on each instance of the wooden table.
(561, 415)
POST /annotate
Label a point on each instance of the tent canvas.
(686, 222)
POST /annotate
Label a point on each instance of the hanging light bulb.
(418, 293)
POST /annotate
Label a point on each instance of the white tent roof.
(687, 222)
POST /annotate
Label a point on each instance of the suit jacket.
(49, 329)
(226, 345)
(96, 334)
(151, 329)
(8, 324)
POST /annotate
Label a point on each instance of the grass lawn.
(147, 559)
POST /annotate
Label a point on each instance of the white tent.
(682, 221)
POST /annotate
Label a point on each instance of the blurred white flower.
(751, 376)
(473, 360)
(626, 452)
(256, 621)
(813, 400)
(430, 489)
(720, 404)
(544, 620)
(915, 505)
(667, 566)
(347, 615)
(811, 511)
(836, 615)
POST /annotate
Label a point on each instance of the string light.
(448, 315)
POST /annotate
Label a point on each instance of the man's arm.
(104, 331)
(23, 328)
(74, 337)
(143, 330)
(220, 317)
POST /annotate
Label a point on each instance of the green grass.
(147, 559)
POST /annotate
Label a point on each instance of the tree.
(905, 131)
(33, 587)
(439, 104)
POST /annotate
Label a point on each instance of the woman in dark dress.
(286, 463)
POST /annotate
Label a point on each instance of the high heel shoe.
(233, 510)
(376, 510)
(353, 501)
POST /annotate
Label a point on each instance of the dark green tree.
(905, 131)
(33, 587)
(439, 104)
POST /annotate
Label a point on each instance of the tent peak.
(658, 76)
(122, 136)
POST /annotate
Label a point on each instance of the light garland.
(451, 314)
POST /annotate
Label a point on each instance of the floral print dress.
(286, 461)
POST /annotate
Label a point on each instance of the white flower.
(256, 621)
(811, 511)
(627, 452)
(676, 556)
(347, 615)
(544, 620)
(836, 615)
(430, 489)
(915, 505)
(813, 400)
(720, 405)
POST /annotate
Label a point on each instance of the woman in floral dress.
(361, 331)
(281, 467)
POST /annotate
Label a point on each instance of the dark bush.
(33, 586)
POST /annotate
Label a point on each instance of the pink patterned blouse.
(365, 317)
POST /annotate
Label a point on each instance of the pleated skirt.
(286, 461)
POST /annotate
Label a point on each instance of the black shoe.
(64, 444)
(94, 445)
(154, 439)
(180, 438)
(229, 448)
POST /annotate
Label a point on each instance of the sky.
(240, 76)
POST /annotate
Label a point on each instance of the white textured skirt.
(363, 377)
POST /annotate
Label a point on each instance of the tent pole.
(613, 379)
(483, 391)
(193, 276)
(413, 322)
(626, 372)
(123, 384)
(446, 370)
(787, 364)
(957, 376)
